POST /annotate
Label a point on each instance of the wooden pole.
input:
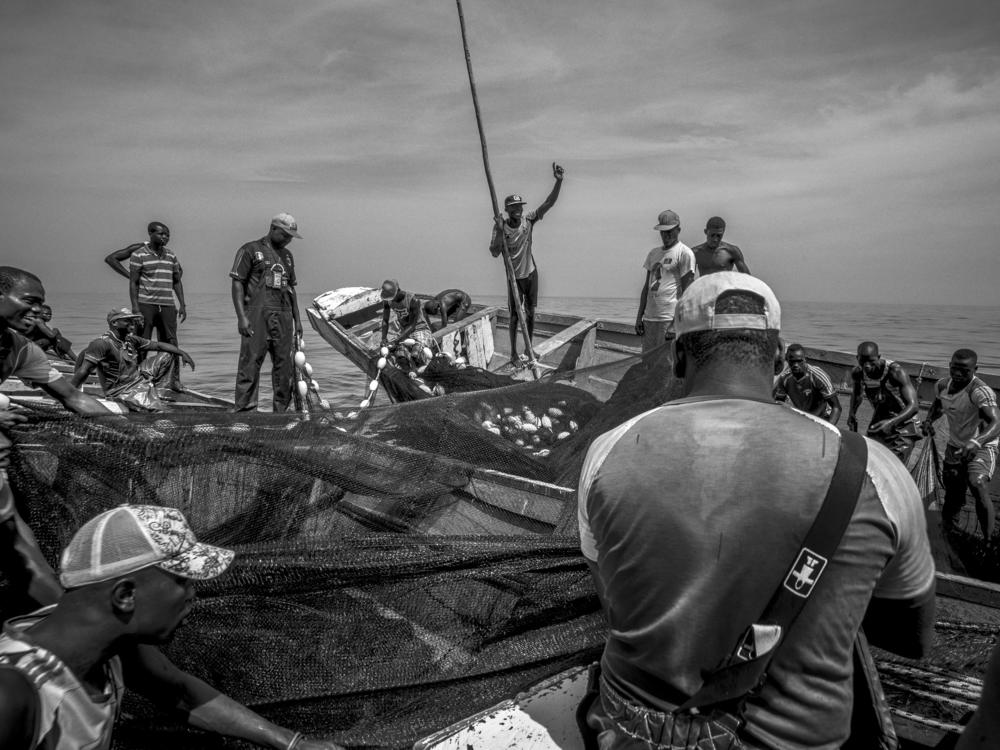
(497, 218)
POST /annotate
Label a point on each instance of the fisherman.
(50, 339)
(973, 429)
(267, 313)
(714, 255)
(809, 388)
(893, 399)
(517, 228)
(128, 576)
(21, 299)
(679, 590)
(119, 358)
(451, 304)
(154, 276)
(669, 271)
(412, 321)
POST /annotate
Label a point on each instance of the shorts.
(981, 463)
(527, 290)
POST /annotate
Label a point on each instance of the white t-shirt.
(666, 269)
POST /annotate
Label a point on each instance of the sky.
(852, 147)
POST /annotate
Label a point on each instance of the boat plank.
(566, 335)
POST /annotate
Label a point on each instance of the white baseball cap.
(129, 538)
(695, 309)
(286, 223)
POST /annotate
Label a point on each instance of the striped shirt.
(962, 409)
(808, 393)
(157, 274)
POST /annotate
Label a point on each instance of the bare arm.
(295, 311)
(242, 321)
(134, 273)
(415, 312)
(76, 401)
(164, 346)
(640, 327)
(149, 672)
(385, 324)
(856, 391)
(739, 262)
(903, 626)
(909, 394)
(686, 280)
(116, 259)
(179, 291)
(835, 409)
(553, 196)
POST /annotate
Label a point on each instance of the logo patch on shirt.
(805, 572)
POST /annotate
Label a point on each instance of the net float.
(373, 385)
(562, 436)
(460, 360)
(314, 385)
(365, 404)
(239, 427)
(303, 389)
(408, 342)
(351, 415)
(308, 369)
(204, 428)
(300, 358)
(382, 361)
(384, 351)
(428, 354)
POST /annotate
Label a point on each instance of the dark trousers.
(274, 334)
(162, 319)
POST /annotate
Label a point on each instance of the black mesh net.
(396, 571)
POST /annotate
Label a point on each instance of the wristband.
(294, 742)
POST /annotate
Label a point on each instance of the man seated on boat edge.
(516, 230)
(50, 339)
(412, 321)
(21, 298)
(806, 386)
(970, 457)
(118, 357)
(727, 453)
(128, 576)
(893, 398)
(669, 270)
(714, 255)
(450, 304)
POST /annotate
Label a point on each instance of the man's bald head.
(867, 349)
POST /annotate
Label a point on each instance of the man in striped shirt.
(154, 276)
(808, 388)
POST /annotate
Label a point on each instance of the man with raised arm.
(154, 275)
(128, 576)
(714, 255)
(669, 271)
(517, 228)
(892, 396)
(973, 436)
(808, 388)
(693, 515)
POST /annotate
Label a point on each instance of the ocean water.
(918, 333)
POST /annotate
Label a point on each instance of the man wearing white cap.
(669, 271)
(693, 515)
(267, 313)
(127, 574)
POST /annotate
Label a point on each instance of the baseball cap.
(129, 538)
(121, 313)
(667, 220)
(695, 309)
(390, 288)
(513, 200)
(286, 223)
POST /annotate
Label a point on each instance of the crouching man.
(127, 574)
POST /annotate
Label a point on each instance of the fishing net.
(396, 571)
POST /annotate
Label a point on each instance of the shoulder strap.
(746, 667)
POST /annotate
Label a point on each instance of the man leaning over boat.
(893, 398)
(692, 519)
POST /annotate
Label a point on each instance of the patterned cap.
(513, 200)
(129, 538)
(286, 223)
(696, 307)
(121, 313)
(666, 221)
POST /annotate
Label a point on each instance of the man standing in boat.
(807, 387)
(714, 255)
(451, 304)
(892, 396)
(412, 321)
(687, 550)
(128, 575)
(154, 275)
(973, 431)
(517, 229)
(669, 271)
(21, 562)
(267, 313)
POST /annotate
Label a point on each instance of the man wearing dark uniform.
(893, 399)
(714, 255)
(808, 388)
(267, 313)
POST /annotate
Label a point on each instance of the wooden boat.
(349, 319)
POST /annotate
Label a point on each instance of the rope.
(946, 726)
(969, 703)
